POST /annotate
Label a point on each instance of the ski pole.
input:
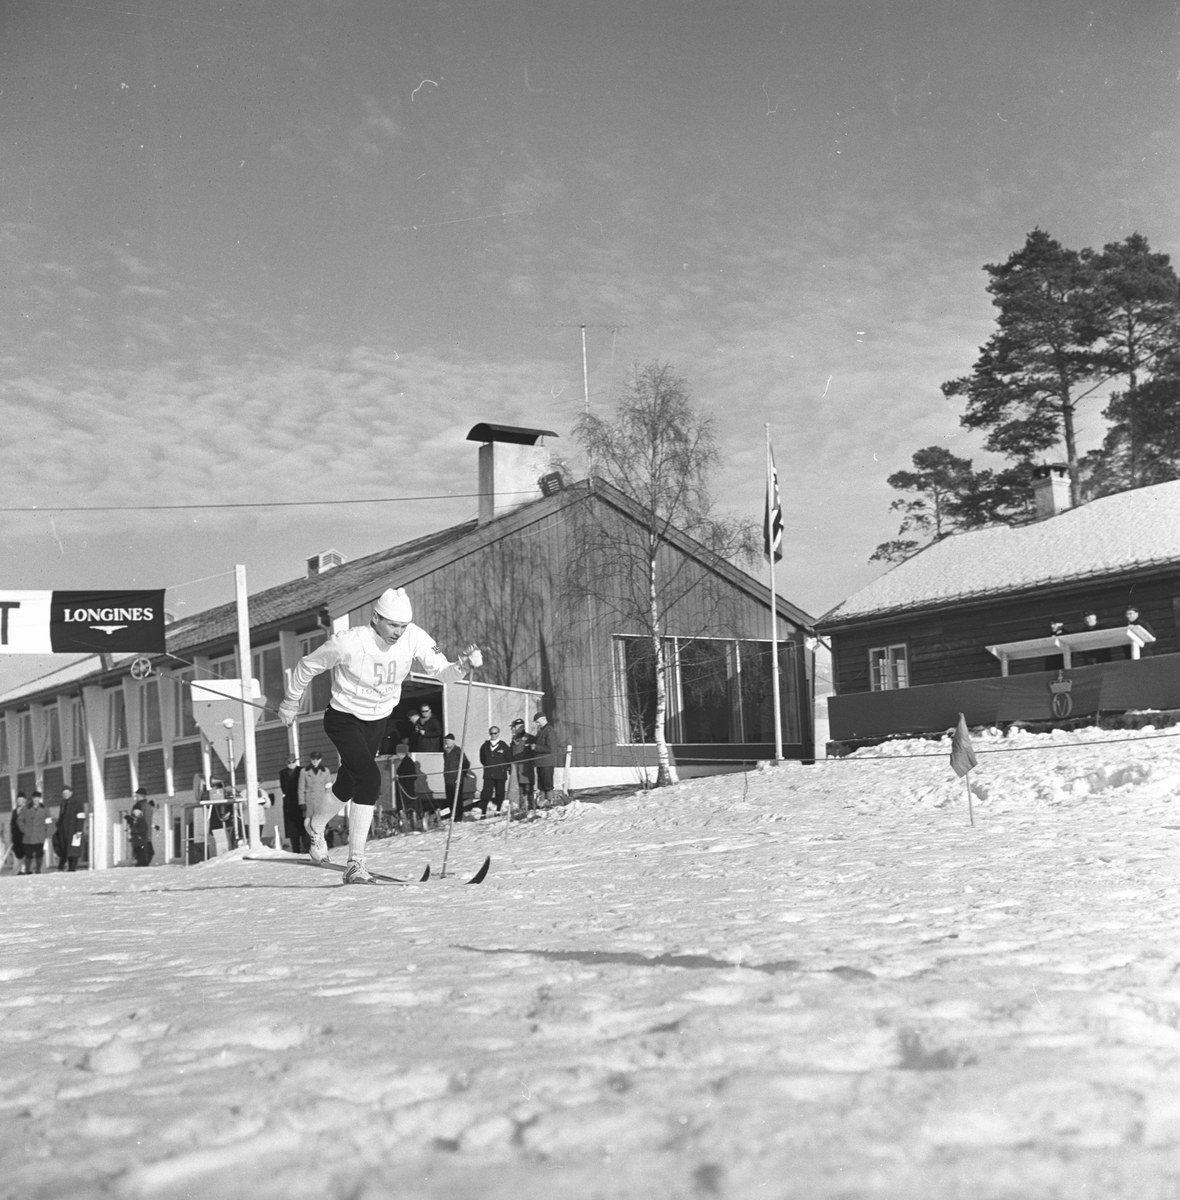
(459, 781)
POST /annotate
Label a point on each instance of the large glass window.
(150, 731)
(636, 663)
(889, 667)
(116, 720)
(52, 747)
(77, 729)
(707, 710)
(316, 698)
(25, 720)
(720, 691)
(268, 670)
(186, 725)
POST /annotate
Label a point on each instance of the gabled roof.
(355, 583)
(1132, 531)
(298, 596)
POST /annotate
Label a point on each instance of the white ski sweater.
(366, 679)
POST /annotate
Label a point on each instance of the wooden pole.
(245, 667)
(778, 703)
(459, 782)
(970, 810)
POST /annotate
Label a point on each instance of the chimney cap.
(518, 434)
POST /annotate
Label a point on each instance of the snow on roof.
(1128, 531)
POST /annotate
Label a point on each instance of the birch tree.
(661, 453)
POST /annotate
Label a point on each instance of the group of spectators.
(31, 826)
(530, 759)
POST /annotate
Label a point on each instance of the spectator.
(405, 789)
(293, 811)
(69, 838)
(16, 842)
(314, 782)
(545, 756)
(456, 768)
(34, 829)
(495, 756)
(139, 825)
(522, 762)
(429, 731)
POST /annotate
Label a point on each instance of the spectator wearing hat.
(369, 664)
(522, 762)
(34, 829)
(314, 781)
(545, 756)
(455, 770)
(293, 811)
(495, 756)
(69, 838)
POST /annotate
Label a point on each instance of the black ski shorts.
(358, 741)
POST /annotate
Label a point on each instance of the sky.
(268, 253)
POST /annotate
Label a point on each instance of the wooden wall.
(513, 596)
(949, 644)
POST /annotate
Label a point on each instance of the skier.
(368, 665)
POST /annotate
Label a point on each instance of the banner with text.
(36, 622)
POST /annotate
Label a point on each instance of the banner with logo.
(36, 622)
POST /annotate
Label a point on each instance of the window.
(52, 745)
(707, 710)
(720, 691)
(150, 731)
(116, 720)
(185, 724)
(889, 667)
(25, 720)
(224, 668)
(3, 745)
(316, 698)
(77, 729)
(268, 670)
(636, 662)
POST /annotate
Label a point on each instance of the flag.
(962, 753)
(772, 526)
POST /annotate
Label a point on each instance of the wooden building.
(519, 580)
(1022, 623)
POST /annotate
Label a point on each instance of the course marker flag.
(963, 759)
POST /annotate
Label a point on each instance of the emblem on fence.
(1062, 702)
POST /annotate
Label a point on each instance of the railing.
(1152, 683)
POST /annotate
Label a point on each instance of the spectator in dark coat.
(545, 755)
(34, 823)
(139, 825)
(429, 732)
(456, 768)
(69, 838)
(495, 756)
(14, 834)
(522, 761)
(293, 811)
(405, 788)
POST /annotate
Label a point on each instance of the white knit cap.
(394, 605)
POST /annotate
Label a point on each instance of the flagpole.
(970, 810)
(778, 703)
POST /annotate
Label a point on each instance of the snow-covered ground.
(807, 982)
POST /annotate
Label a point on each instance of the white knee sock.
(359, 823)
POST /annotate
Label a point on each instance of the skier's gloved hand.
(288, 711)
(474, 656)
